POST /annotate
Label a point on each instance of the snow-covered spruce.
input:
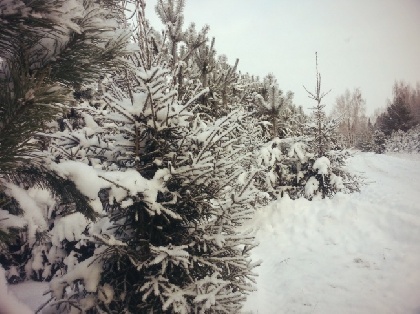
(289, 166)
(171, 237)
(327, 167)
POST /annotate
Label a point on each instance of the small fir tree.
(379, 141)
(325, 176)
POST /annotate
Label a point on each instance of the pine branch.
(63, 189)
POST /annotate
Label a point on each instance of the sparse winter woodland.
(133, 161)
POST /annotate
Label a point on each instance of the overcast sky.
(360, 43)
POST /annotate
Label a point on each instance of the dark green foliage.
(379, 140)
(366, 142)
(273, 106)
(396, 117)
(25, 110)
(365, 145)
(39, 62)
(7, 235)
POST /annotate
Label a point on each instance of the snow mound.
(9, 304)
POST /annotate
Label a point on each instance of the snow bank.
(69, 228)
(311, 187)
(322, 164)
(9, 304)
(354, 253)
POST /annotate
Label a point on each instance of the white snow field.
(357, 253)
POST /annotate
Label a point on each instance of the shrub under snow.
(408, 142)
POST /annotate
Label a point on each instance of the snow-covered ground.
(357, 253)
(29, 293)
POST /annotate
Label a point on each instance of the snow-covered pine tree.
(182, 45)
(278, 163)
(320, 129)
(366, 143)
(205, 60)
(293, 121)
(188, 75)
(175, 197)
(171, 14)
(379, 140)
(222, 85)
(326, 174)
(272, 105)
(282, 160)
(47, 48)
(191, 56)
(408, 142)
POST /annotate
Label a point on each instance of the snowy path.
(355, 253)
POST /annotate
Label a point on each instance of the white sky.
(360, 43)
